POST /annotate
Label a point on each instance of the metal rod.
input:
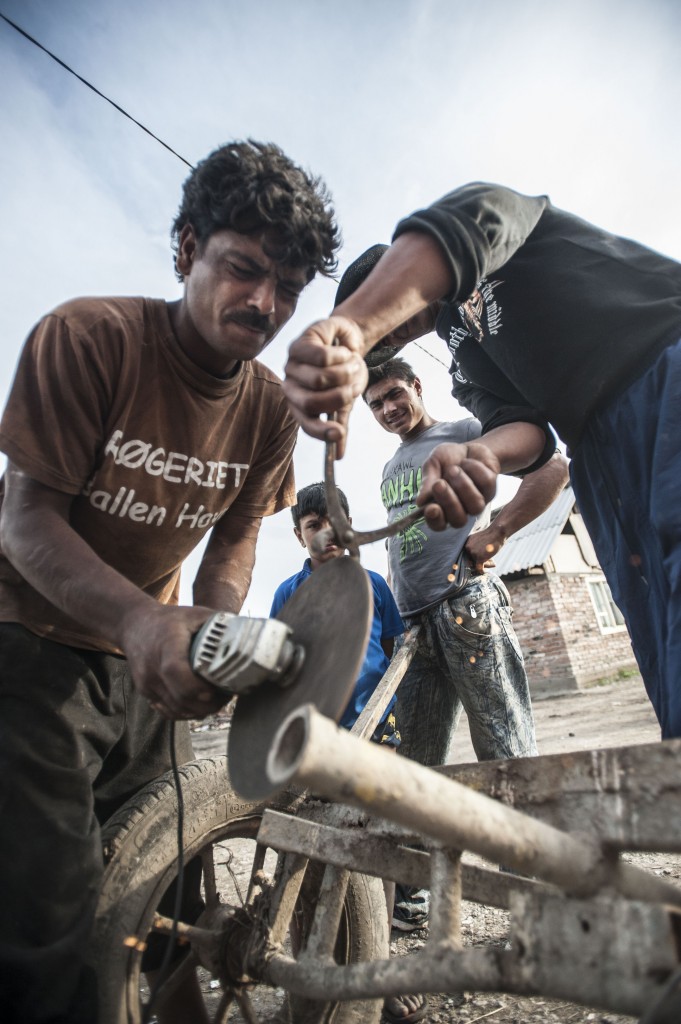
(440, 969)
(345, 536)
(360, 849)
(341, 528)
(188, 932)
(397, 526)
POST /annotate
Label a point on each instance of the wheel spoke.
(183, 970)
(209, 885)
(222, 1011)
(246, 1006)
(254, 886)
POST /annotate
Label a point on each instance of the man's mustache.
(256, 321)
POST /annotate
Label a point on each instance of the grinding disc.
(330, 614)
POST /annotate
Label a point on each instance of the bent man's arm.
(460, 479)
(536, 493)
(225, 572)
(325, 371)
(437, 253)
(39, 541)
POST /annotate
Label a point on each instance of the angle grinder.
(236, 653)
(311, 653)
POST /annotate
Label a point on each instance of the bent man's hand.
(325, 373)
(156, 643)
(458, 481)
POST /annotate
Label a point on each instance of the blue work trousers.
(626, 474)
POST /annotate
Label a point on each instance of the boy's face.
(396, 405)
(310, 525)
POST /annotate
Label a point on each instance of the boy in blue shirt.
(309, 517)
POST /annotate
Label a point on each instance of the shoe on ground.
(411, 912)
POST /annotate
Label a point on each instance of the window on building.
(608, 614)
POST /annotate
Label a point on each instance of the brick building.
(570, 629)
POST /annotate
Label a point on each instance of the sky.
(392, 102)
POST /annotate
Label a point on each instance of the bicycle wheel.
(140, 844)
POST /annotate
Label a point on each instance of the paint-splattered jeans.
(468, 657)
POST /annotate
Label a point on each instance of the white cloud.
(393, 101)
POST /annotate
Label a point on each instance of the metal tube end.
(288, 746)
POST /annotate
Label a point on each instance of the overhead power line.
(436, 358)
(80, 78)
(139, 124)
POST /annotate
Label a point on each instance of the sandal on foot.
(418, 1013)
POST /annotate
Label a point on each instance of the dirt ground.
(613, 714)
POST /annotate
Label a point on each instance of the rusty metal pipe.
(312, 751)
(351, 539)
(443, 968)
(439, 969)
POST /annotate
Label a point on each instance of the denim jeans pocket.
(469, 617)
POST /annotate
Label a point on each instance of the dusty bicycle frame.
(586, 926)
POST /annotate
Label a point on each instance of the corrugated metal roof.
(531, 546)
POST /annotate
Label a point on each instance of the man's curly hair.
(251, 187)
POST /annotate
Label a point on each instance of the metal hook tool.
(341, 531)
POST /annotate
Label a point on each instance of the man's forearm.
(479, 227)
(536, 493)
(441, 250)
(223, 594)
(516, 445)
(411, 274)
(226, 569)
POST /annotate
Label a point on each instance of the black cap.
(358, 272)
